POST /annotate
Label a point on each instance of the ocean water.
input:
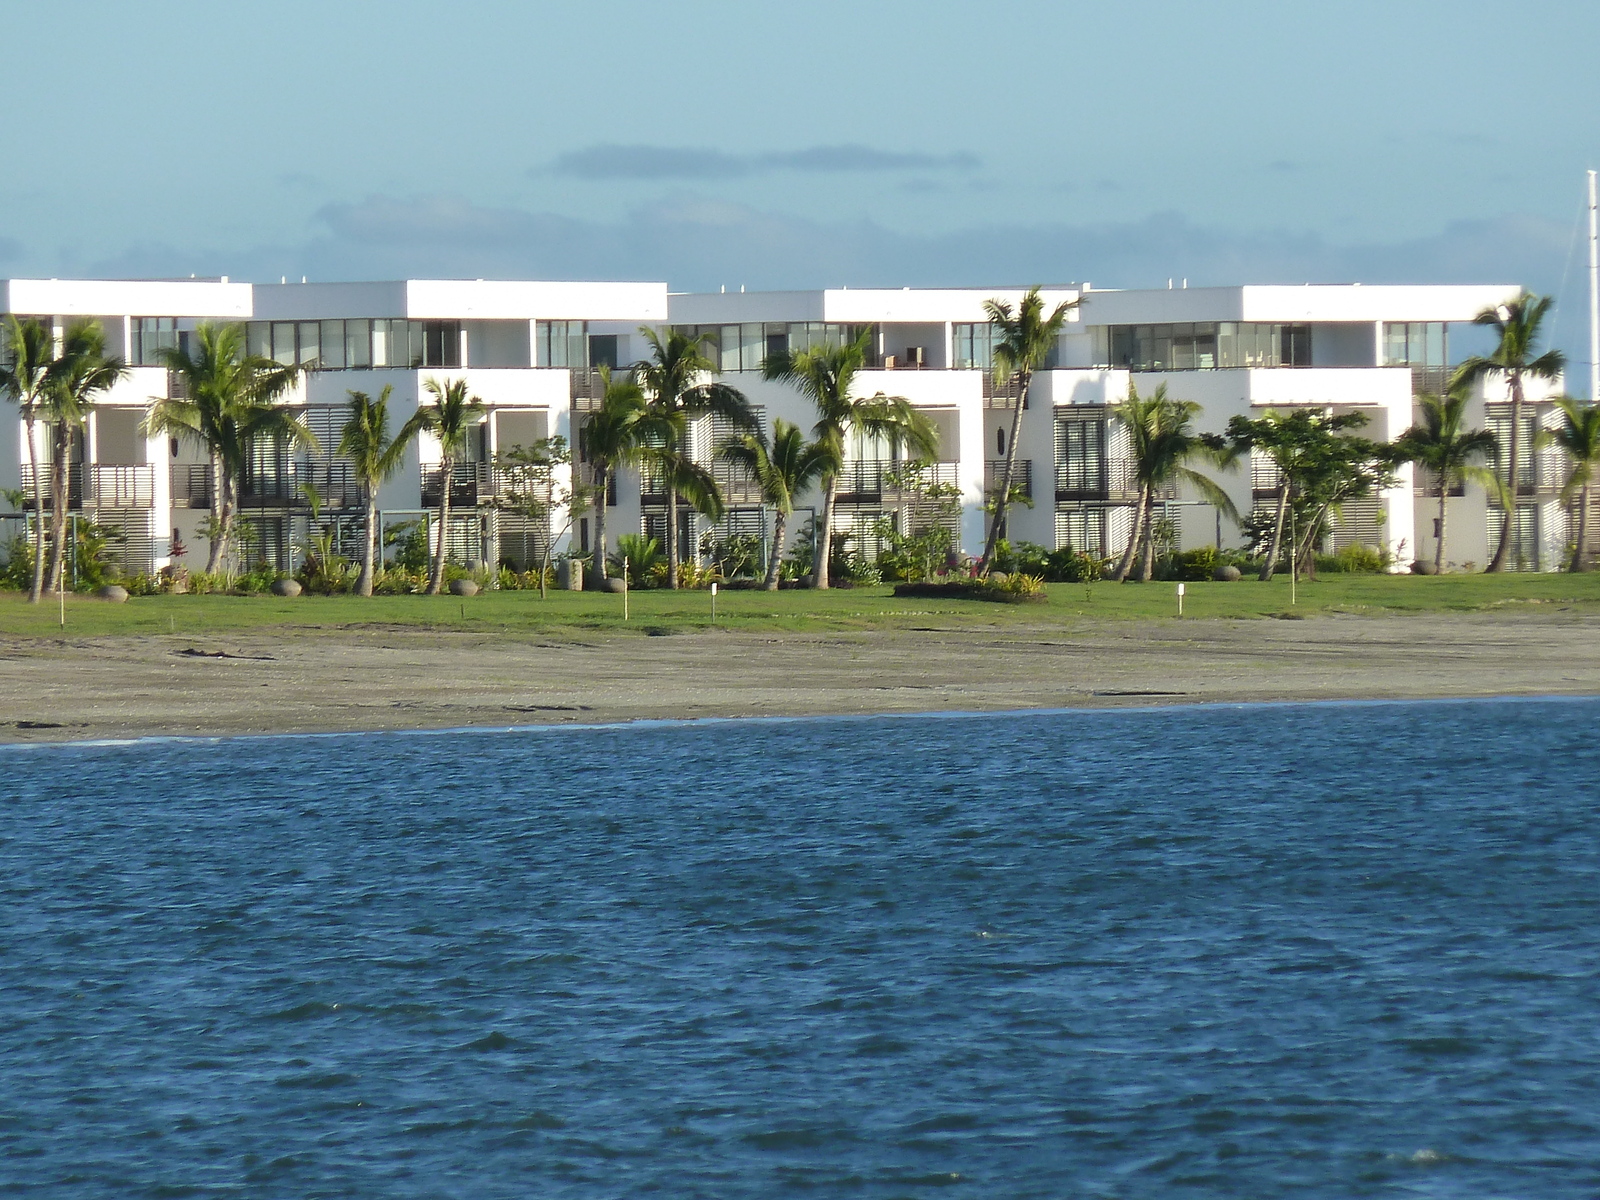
(1309, 951)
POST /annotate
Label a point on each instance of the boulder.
(463, 587)
(287, 588)
(1423, 568)
(1227, 573)
(112, 592)
(615, 584)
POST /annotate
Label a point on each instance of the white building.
(530, 351)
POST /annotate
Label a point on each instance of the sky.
(868, 143)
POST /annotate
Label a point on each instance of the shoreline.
(309, 680)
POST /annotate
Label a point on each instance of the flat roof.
(464, 299)
(126, 298)
(1289, 304)
(850, 306)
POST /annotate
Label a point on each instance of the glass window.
(283, 350)
(152, 335)
(310, 340)
(358, 344)
(258, 339)
(331, 339)
(563, 344)
(603, 350)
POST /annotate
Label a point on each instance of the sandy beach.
(331, 679)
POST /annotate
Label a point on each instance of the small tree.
(924, 546)
(451, 418)
(1293, 441)
(783, 471)
(1027, 338)
(1579, 436)
(534, 491)
(1439, 444)
(374, 457)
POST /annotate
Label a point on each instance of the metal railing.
(1114, 480)
(994, 470)
(98, 485)
(1001, 395)
(872, 479)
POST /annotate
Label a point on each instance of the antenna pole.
(1594, 298)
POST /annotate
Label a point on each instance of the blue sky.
(803, 144)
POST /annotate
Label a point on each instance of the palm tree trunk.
(1275, 546)
(1307, 553)
(230, 503)
(1002, 498)
(771, 583)
(1514, 460)
(36, 591)
(447, 470)
(1438, 548)
(824, 535)
(59, 470)
(672, 535)
(602, 479)
(1126, 564)
(214, 554)
(1147, 554)
(1578, 560)
(364, 582)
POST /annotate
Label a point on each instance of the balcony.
(334, 482)
(1092, 479)
(98, 485)
(994, 470)
(471, 484)
(1001, 395)
(587, 389)
(873, 480)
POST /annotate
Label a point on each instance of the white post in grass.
(713, 604)
(1180, 599)
(624, 587)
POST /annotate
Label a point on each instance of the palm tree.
(1579, 436)
(374, 457)
(82, 372)
(1438, 443)
(827, 376)
(29, 349)
(1027, 338)
(1162, 442)
(1518, 324)
(228, 400)
(783, 470)
(619, 433)
(451, 418)
(673, 380)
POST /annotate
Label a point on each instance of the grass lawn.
(656, 612)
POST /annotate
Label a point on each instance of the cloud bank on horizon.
(676, 162)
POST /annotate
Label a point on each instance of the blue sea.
(1309, 951)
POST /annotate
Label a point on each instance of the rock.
(1423, 568)
(998, 577)
(463, 587)
(569, 575)
(287, 588)
(113, 593)
(1227, 573)
(614, 584)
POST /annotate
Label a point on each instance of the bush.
(1195, 566)
(1357, 560)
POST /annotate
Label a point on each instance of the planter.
(112, 592)
(569, 576)
(287, 588)
(1227, 573)
(463, 587)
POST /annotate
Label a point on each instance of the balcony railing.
(1114, 480)
(872, 480)
(1001, 395)
(335, 485)
(587, 389)
(473, 483)
(994, 471)
(98, 485)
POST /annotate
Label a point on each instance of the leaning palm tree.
(827, 376)
(1518, 323)
(783, 471)
(81, 373)
(228, 398)
(1439, 444)
(618, 433)
(1579, 435)
(1027, 339)
(1162, 443)
(676, 383)
(451, 418)
(28, 350)
(374, 457)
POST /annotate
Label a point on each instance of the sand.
(382, 679)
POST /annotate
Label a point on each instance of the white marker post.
(1180, 599)
(713, 604)
(624, 587)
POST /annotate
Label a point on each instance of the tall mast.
(1594, 298)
